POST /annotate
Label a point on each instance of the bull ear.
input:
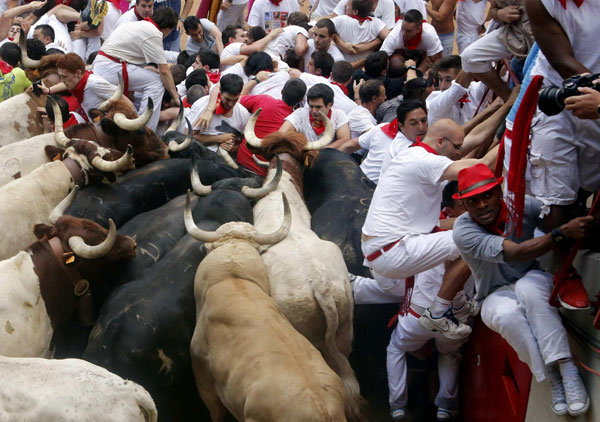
(53, 152)
(41, 230)
(109, 127)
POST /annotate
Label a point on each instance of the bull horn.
(83, 250)
(256, 193)
(25, 60)
(59, 135)
(112, 166)
(61, 207)
(249, 134)
(260, 162)
(192, 229)
(177, 120)
(197, 185)
(325, 138)
(174, 146)
(225, 156)
(134, 124)
(282, 231)
(116, 95)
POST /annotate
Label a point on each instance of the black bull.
(337, 194)
(144, 331)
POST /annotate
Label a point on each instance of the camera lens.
(551, 100)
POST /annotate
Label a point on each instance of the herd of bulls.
(255, 319)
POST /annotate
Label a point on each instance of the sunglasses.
(456, 147)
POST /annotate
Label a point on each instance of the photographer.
(586, 105)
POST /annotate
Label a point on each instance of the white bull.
(69, 390)
(19, 117)
(21, 158)
(29, 200)
(307, 275)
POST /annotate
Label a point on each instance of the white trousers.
(465, 40)
(409, 336)
(478, 57)
(377, 290)
(414, 254)
(520, 313)
(83, 47)
(234, 15)
(146, 82)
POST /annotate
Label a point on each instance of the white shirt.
(236, 69)
(378, 144)
(269, 16)
(579, 24)
(324, 8)
(333, 50)
(301, 121)
(406, 5)
(340, 100)
(350, 30)
(238, 119)
(399, 144)
(272, 86)
(137, 43)
(384, 11)
(284, 41)
(127, 17)
(430, 42)
(360, 120)
(408, 197)
(62, 39)
(469, 16)
(446, 105)
(232, 49)
(96, 91)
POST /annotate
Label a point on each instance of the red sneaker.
(571, 294)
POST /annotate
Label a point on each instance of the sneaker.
(559, 400)
(578, 401)
(447, 325)
(398, 414)
(94, 12)
(572, 294)
(445, 414)
(352, 277)
(466, 312)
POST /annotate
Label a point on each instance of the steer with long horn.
(317, 297)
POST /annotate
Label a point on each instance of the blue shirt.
(176, 6)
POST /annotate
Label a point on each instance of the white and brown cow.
(307, 275)
(43, 285)
(30, 199)
(69, 390)
(246, 356)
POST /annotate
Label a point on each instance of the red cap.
(475, 180)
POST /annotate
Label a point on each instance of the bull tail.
(336, 360)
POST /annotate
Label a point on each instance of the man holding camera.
(564, 152)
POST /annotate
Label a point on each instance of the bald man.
(400, 237)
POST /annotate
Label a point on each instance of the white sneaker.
(578, 401)
(445, 414)
(468, 311)
(447, 325)
(398, 414)
(559, 401)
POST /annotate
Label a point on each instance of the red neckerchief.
(75, 106)
(497, 227)
(137, 15)
(360, 19)
(65, 2)
(214, 75)
(464, 99)
(318, 127)
(414, 42)
(563, 3)
(220, 109)
(391, 129)
(152, 22)
(275, 2)
(343, 87)
(185, 103)
(427, 148)
(5, 67)
(77, 92)
(11, 39)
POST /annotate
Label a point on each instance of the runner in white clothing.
(362, 118)
(470, 17)
(131, 47)
(237, 43)
(382, 10)
(308, 120)
(293, 37)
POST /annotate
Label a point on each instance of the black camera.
(552, 99)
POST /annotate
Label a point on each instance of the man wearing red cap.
(513, 289)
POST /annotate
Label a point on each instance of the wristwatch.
(411, 68)
(255, 79)
(557, 235)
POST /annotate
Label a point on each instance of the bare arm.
(552, 40)
(451, 172)
(287, 127)
(578, 228)
(368, 46)
(349, 147)
(231, 60)
(167, 79)
(203, 121)
(342, 135)
(444, 12)
(260, 44)
(214, 139)
(301, 46)
(7, 17)
(216, 34)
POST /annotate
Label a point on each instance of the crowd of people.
(474, 182)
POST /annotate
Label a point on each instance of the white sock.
(459, 300)
(439, 307)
